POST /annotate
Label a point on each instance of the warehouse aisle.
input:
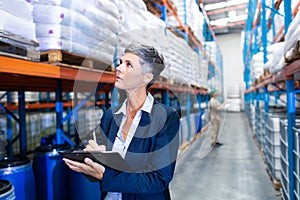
(234, 171)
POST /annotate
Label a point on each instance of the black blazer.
(151, 154)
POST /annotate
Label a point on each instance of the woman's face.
(129, 74)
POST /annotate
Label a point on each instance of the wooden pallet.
(266, 73)
(70, 59)
(18, 47)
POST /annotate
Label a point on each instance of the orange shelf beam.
(33, 106)
(36, 69)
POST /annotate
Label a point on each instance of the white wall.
(233, 68)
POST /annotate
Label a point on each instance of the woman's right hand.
(93, 146)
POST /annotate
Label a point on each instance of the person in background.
(142, 130)
(215, 118)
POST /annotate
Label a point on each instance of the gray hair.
(150, 59)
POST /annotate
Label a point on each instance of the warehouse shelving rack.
(22, 75)
(282, 82)
(214, 69)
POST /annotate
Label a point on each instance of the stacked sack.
(188, 10)
(76, 26)
(274, 61)
(199, 68)
(16, 18)
(275, 55)
(256, 65)
(103, 29)
(179, 54)
(17, 28)
(292, 37)
(137, 24)
(212, 51)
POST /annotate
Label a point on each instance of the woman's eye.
(119, 62)
(129, 65)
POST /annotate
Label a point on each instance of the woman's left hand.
(88, 167)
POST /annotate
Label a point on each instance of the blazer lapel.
(114, 127)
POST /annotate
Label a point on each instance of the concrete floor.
(234, 171)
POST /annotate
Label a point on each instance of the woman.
(141, 129)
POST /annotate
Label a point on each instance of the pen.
(94, 136)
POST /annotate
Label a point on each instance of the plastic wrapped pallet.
(19, 8)
(20, 27)
(256, 65)
(74, 26)
(195, 74)
(200, 70)
(276, 61)
(188, 12)
(179, 68)
(20, 13)
(293, 34)
(204, 71)
(56, 15)
(274, 54)
(106, 6)
(211, 49)
(132, 18)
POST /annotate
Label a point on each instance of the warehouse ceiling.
(226, 16)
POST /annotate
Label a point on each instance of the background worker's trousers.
(215, 125)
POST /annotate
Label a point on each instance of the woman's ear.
(148, 77)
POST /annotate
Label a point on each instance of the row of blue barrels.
(197, 122)
(47, 177)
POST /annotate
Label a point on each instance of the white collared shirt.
(121, 145)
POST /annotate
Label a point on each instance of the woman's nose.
(119, 67)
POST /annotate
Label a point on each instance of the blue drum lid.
(13, 162)
(5, 186)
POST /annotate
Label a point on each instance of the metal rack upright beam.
(22, 123)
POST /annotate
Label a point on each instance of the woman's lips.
(118, 78)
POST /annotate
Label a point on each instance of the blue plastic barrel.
(82, 188)
(20, 174)
(51, 173)
(7, 191)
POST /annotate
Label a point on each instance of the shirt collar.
(147, 106)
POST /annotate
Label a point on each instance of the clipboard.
(107, 158)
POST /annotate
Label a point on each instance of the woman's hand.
(93, 146)
(88, 167)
